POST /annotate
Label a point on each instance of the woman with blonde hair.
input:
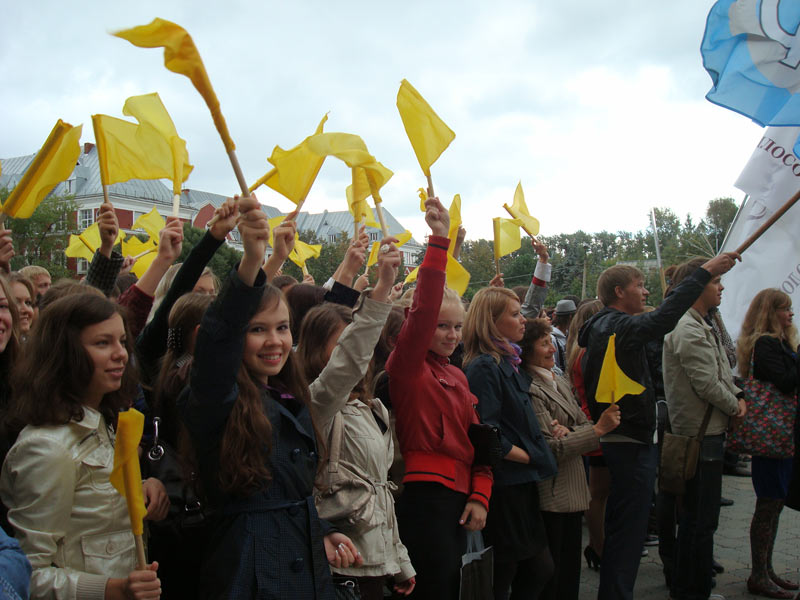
(492, 329)
(768, 342)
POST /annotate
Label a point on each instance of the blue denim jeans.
(698, 517)
(632, 468)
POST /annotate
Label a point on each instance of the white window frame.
(85, 217)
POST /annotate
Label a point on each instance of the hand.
(354, 259)
(389, 259)
(541, 250)
(283, 238)
(474, 516)
(404, 588)
(155, 499)
(170, 240)
(6, 250)
(742, 409)
(341, 552)
(362, 282)
(397, 291)
(462, 233)
(722, 263)
(254, 228)
(127, 265)
(437, 217)
(608, 420)
(108, 225)
(497, 281)
(225, 217)
(557, 430)
(308, 278)
(139, 585)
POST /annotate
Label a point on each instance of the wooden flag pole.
(430, 186)
(305, 270)
(176, 204)
(141, 561)
(497, 266)
(525, 229)
(658, 253)
(376, 198)
(768, 223)
(105, 193)
(141, 254)
(237, 169)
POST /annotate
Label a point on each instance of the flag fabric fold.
(519, 210)
(428, 134)
(54, 163)
(613, 384)
(456, 276)
(144, 252)
(152, 223)
(303, 252)
(455, 222)
(126, 476)
(752, 59)
(86, 243)
(180, 56)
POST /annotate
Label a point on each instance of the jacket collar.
(560, 396)
(91, 419)
(695, 314)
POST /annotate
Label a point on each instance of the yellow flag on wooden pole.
(126, 476)
(181, 56)
(613, 384)
(54, 163)
(519, 210)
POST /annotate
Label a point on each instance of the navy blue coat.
(504, 402)
(268, 545)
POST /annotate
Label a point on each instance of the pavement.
(731, 549)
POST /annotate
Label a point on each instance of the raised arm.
(537, 290)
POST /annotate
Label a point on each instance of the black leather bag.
(162, 462)
(485, 440)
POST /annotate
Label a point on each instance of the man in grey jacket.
(697, 380)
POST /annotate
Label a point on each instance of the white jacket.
(70, 521)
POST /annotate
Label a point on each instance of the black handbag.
(485, 439)
(162, 462)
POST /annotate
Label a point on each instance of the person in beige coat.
(569, 435)
(336, 347)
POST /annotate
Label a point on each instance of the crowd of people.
(346, 441)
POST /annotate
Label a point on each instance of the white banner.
(770, 178)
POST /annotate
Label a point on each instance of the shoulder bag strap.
(706, 418)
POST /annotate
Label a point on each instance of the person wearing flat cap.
(565, 310)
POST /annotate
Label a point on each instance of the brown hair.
(301, 298)
(535, 329)
(320, 323)
(683, 270)
(584, 312)
(762, 319)
(613, 277)
(66, 287)
(9, 355)
(248, 429)
(50, 381)
(480, 332)
(284, 281)
(185, 316)
(17, 277)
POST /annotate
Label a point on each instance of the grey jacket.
(363, 442)
(697, 372)
(568, 490)
(537, 291)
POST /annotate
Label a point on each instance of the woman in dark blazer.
(569, 434)
(514, 527)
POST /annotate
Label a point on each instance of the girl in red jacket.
(445, 494)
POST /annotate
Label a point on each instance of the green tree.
(719, 217)
(224, 259)
(42, 238)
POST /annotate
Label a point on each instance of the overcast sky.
(597, 107)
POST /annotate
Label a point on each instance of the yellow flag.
(180, 56)
(423, 196)
(303, 252)
(347, 147)
(151, 222)
(273, 223)
(457, 276)
(152, 115)
(519, 210)
(54, 163)
(126, 476)
(613, 384)
(373, 253)
(145, 253)
(506, 236)
(360, 210)
(455, 222)
(87, 242)
(295, 169)
(429, 135)
(375, 172)
(125, 151)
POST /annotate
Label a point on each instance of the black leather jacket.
(638, 413)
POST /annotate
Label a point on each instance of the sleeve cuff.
(542, 272)
(341, 294)
(481, 490)
(436, 254)
(92, 586)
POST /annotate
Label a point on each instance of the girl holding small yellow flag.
(72, 524)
